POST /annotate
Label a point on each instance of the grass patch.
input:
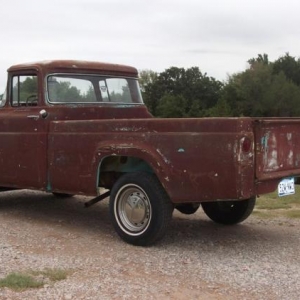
(263, 214)
(273, 201)
(294, 214)
(31, 279)
(52, 274)
(271, 205)
(18, 282)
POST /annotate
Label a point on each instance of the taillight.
(246, 144)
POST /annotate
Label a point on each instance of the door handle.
(34, 117)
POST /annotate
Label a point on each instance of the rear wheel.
(140, 208)
(229, 212)
(188, 209)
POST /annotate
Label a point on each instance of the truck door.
(23, 134)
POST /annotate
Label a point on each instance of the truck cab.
(42, 92)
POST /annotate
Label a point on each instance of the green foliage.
(265, 89)
(262, 91)
(260, 59)
(179, 92)
(170, 106)
(146, 77)
(289, 66)
(18, 281)
(221, 109)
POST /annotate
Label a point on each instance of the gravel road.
(198, 259)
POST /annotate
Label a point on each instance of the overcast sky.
(218, 36)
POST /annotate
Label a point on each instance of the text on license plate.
(286, 187)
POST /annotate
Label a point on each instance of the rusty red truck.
(75, 127)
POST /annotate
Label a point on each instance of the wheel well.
(112, 167)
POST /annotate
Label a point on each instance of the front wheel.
(140, 208)
(229, 212)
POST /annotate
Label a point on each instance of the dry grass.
(19, 282)
(22, 281)
(271, 205)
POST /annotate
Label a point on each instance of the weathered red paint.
(195, 159)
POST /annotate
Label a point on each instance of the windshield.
(67, 88)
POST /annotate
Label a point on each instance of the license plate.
(286, 187)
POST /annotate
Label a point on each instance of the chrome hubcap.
(133, 209)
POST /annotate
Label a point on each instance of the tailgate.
(277, 148)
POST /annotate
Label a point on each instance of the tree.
(260, 91)
(172, 106)
(282, 99)
(197, 91)
(221, 109)
(260, 59)
(289, 66)
(146, 77)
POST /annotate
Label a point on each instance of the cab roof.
(76, 66)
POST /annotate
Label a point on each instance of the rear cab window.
(69, 88)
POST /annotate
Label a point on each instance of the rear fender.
(154, 160)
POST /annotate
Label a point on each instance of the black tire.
(62, 195)
(188, 208)
(140, 208)
(229, 212)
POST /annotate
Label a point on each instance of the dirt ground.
(197, 259)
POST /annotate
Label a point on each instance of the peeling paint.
(180, 150)
(163, 157)
(290, 158)
(129, 129)
(273, 161)
(289, 136)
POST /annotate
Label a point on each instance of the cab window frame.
(29, 101)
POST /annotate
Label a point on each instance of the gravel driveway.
(198, 259)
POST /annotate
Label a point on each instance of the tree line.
(264, 89)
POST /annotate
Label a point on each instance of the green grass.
(18, 282)
(271, 205)
(28, 280)
(52, 274)
(273, 201)
(294, 214)
(263, 214)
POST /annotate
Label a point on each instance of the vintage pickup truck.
(75, 127)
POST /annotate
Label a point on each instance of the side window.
(24, 90)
